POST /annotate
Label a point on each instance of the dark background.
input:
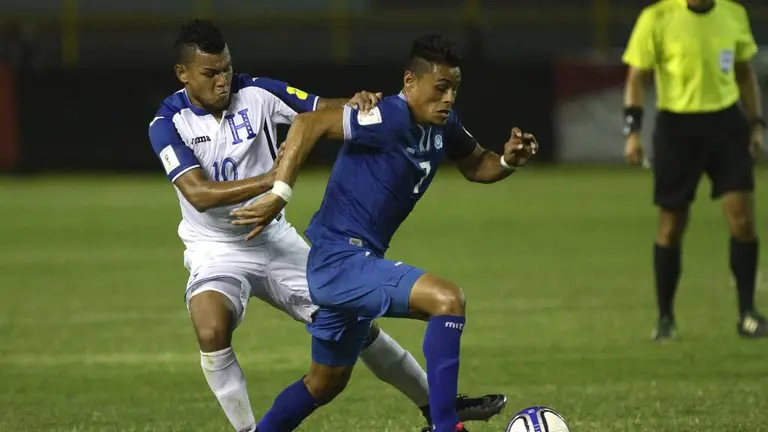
(88, 76)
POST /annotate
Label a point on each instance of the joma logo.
(201, 139)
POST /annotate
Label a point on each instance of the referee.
(700, 52)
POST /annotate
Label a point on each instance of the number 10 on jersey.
(225, 171)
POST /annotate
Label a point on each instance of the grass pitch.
(556, 265)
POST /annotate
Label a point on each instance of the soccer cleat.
(477, 409)
(480, 409)
(665, 330)
(752, 325)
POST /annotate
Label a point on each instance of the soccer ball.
(537, 419)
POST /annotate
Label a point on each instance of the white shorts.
(274, 271)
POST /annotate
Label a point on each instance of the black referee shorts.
(687, 145)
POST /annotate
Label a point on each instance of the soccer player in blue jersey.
(387, 162)
(215, 139)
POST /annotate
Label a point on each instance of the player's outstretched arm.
(301, 102)
(204, 194)
(306, 130)
(485, 166)
(363, 101)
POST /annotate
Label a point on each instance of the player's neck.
(216, 113)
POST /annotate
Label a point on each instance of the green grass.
(556, 265)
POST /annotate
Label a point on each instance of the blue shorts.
(353, 287)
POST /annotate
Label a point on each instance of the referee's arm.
(749, 89)
(640, 56)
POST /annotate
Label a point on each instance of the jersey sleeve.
(376, 128)
(746, 48)
(175, 156)
(459, 143)
(641, 49)
(298, 100)
(279, 111)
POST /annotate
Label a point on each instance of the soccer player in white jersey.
(216, 140)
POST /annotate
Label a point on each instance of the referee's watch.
(633, 119)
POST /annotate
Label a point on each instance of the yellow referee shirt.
(692, 54)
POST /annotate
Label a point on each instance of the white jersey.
(242, 145)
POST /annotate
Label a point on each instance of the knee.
(742, 226)
(671, 227)
(449, 300)
(326, 382)
(213, 335)
(373, 334)
(213, 318)
(433, 296)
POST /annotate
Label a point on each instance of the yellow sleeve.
(641, 50)
(746, 48)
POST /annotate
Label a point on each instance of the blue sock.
(442, 343)
(290, 408)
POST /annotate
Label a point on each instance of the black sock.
(666, 265)
(744, 268)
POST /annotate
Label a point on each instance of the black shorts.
(685, 146)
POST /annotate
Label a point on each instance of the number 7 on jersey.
(427, 168)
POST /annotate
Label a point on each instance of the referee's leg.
(678, 165)
(739, 209)
(732, 174)
(667, 253)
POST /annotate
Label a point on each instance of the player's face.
(207, 78)
(433, 93)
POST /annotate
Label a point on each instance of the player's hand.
(756, 142)
(364, 101)
(520, 148)
(259, 213)
(633, 150)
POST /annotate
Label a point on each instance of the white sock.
(396, 366)
(227, 382)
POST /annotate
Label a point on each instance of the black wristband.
(633, 119)
(758, 121)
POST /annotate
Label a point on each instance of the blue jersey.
(385, 166)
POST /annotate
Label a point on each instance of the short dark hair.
(200, 35)
(433, 48)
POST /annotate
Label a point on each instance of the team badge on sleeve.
(302, 95)
(169, 158)
(370, 118)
